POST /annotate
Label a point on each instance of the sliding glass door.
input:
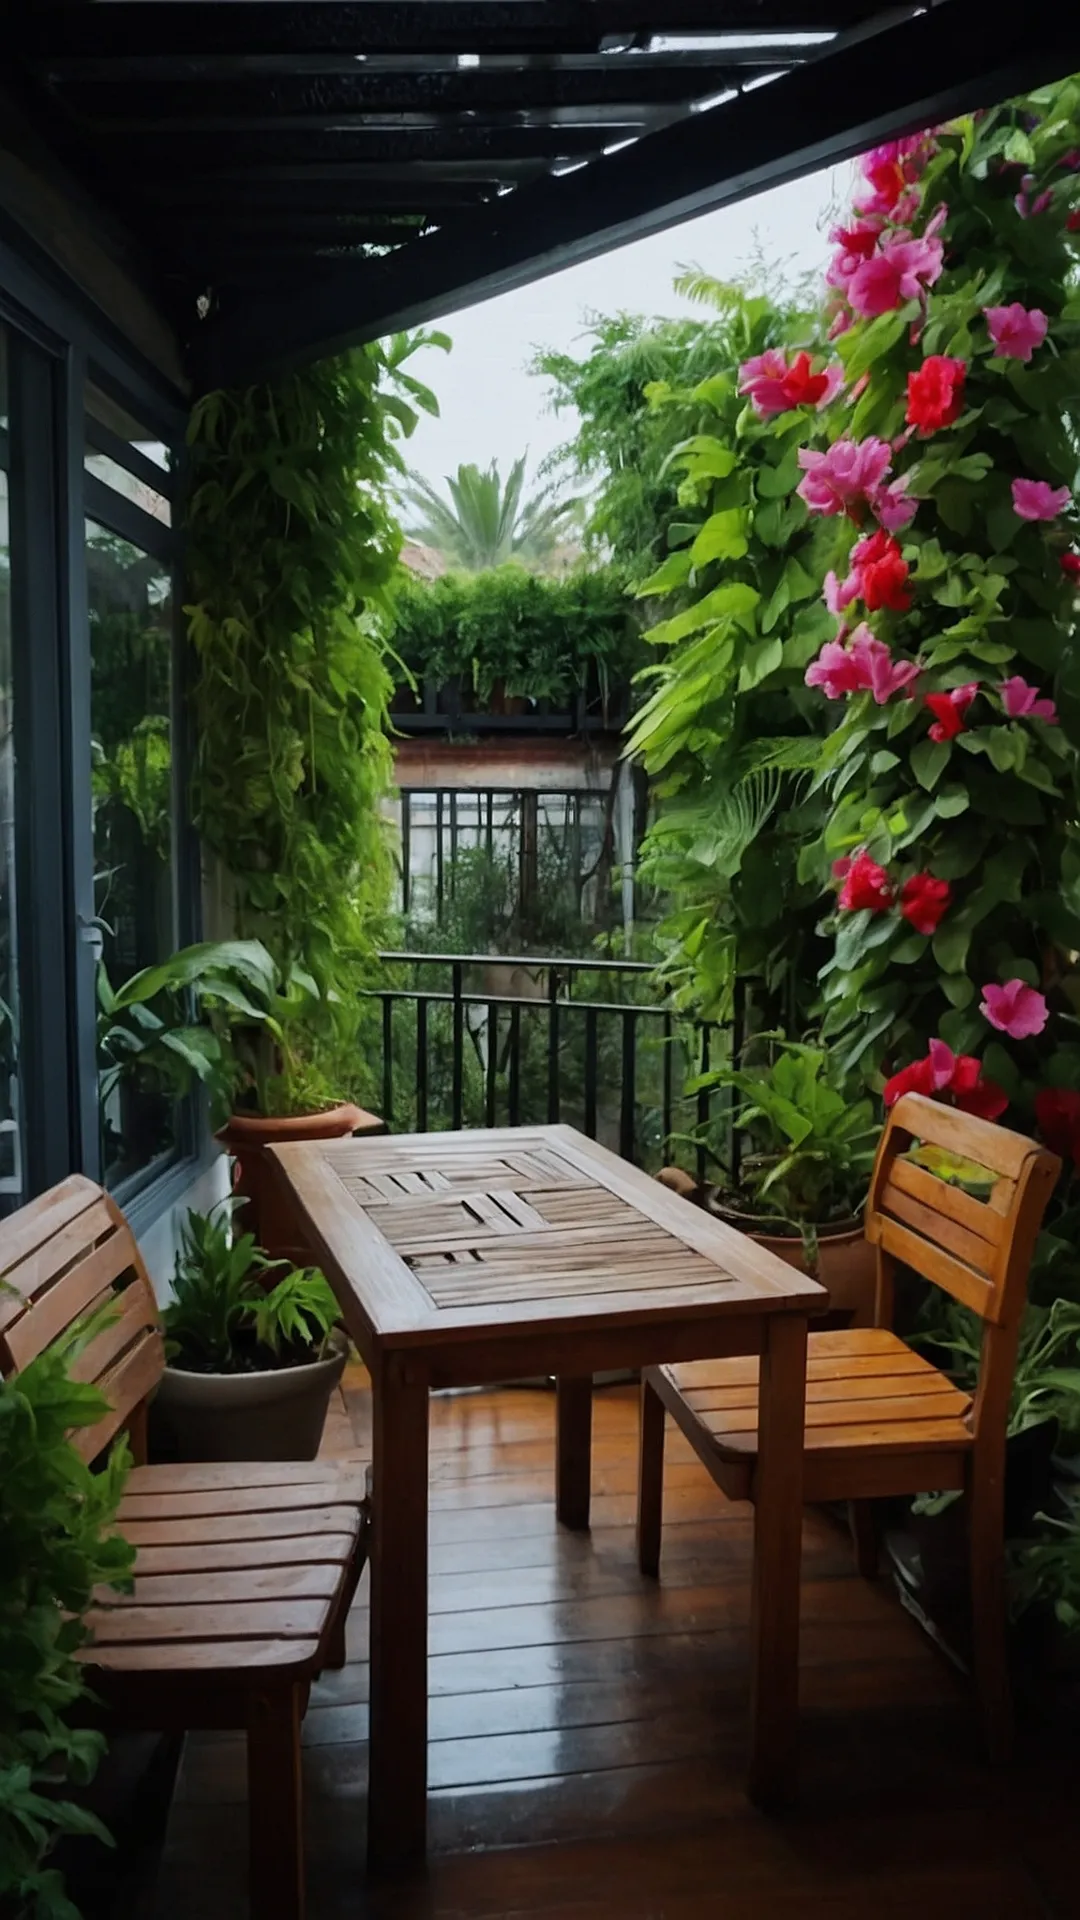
(11, 1141)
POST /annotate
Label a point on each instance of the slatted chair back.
(977, 1250)
(61, 1257)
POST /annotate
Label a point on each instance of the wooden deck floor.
(587, 1727)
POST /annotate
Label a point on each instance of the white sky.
(491, 407)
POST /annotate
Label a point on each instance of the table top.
(440, 1237)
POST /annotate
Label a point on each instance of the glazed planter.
(276, 1415)
(266, 1212)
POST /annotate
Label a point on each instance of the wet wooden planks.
(607, 1767)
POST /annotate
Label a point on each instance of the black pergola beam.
(627, 80)
(198, 29)
(917, 73)
(244, 154)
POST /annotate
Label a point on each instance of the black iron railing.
(485, 1040)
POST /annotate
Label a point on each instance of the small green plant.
(811, 1146)
(56, 1548)
(1046, 1571)
(225, 1318)
(224, 1015)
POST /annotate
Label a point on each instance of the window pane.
(11, 1184)
(130, 600)
(102, 407)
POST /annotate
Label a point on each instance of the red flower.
(1070, 564)
(1057, 1110)
(1072, 224)
(865, 885)
(918, 1078)
(956, 1077)
(801, 387)
(949, 710)
(882, 573)
(923, 901)
(936, 393)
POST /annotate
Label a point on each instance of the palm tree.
(484, 522)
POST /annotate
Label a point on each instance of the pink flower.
(775, 387)
(834, 671)
(1016, 331)
(880, 674)
(853, 245)
(1015, 1009)
(843, 477)
(839, 324)
(1022, 702)
(839, 594)
(1038, 500)
(889, 170)
(903, 270)
(865, 665)
(892, 506)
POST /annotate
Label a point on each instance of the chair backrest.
(61, 1257)
(977, 1250)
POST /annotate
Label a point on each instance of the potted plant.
(808, 1148)
(255, 1035)
(251, 1360)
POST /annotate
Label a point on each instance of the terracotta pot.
(847, 1265)
(847, 1268)
(266, 1212)
(278, 1415)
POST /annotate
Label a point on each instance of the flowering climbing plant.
(949, 478)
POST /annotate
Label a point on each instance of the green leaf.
(761, 662)
(953, 800)
(928, 761)
(672, 572)
(723, 537)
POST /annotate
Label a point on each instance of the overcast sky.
(491, 407)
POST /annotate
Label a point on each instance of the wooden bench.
(244, 1573)
(880, 1420)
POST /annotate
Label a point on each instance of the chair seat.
(866, 1390)
(239, 1567)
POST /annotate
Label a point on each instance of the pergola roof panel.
(310, 147)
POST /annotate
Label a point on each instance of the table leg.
(397, 1793)
(573, 1449)
(777, 1555)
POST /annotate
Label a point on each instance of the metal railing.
(486, 1040)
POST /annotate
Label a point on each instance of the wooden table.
(464, 1258)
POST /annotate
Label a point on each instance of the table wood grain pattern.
(463, 1258)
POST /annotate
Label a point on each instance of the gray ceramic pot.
(249, 1416)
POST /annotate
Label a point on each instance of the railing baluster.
(704, 1102)
(438, 855)
(492, 1063)
(457, 1087)
(513, 1091)
(738, 1032)
(590, 1072)
(668, 1067)
(553, 1046)
(421, 1065)
(628, 1103)
(388, 1061)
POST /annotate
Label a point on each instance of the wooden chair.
(244, 1573)
(881, 1420)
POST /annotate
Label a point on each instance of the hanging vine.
(291, 545)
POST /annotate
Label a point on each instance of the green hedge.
(538, 637)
